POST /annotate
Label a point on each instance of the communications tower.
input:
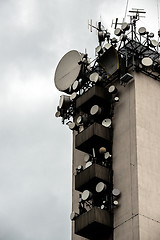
(112, 105)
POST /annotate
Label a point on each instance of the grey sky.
(35, 148)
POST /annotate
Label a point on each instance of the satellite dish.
(103, 206)
(87, 157)
(107, 122)
(123, 37)
(94, 77)
(88, 164)
(112, 89)
(67, 71)
(117, 31)
(142, 30)
(73, 96)
(107, 155)
(81, 128)
(154, 43)
(109, 61)
(73, 126)
(100, 187)
(64, 101)
(73, 216)
(79, 119)
(147, 62)
(95, 110)
(116, 192)
(99, 49)
(86, 195)
(114, 40)
(107, 46)
(116, 99)
(102, 150)
(57, 114)
(125, 26)
(80, 168)
(115, 203)
(75, 85)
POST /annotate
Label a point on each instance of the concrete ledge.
(94, 224)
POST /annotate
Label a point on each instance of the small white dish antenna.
(112, 89)
(94, 77)
(100, 187)
(95, 110)
(88, 164)
(116, 193)
(86, 157)
(147, 62)
(142, 31)
(107, 122)
(86, 195)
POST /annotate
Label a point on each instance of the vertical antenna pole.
(126, 11)
(91, 26)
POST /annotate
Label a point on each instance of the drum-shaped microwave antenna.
(109, 61)
(117, 31)
(154, 43)
(116, 192)
(73, 96)
(64, 101)
(125, 26)
(86, 195)
(67, 71)
(112, 89)
(94, 77)
(142, 30)
(100, 187)
(95, 110)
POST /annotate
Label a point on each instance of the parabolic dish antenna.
(147, 62)
(154, 43)
(100, 187)
(67, 71)
(142, 30)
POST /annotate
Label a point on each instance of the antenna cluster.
(87, 107)
(132, 49)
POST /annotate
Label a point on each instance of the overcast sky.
(35, 148)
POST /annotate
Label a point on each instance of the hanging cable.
(126, 11)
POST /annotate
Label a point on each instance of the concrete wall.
(148, 155)
(126, 220)
(136, 164)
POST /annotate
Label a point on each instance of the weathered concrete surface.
(136, 151)
(148, 155)
(126, 219)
